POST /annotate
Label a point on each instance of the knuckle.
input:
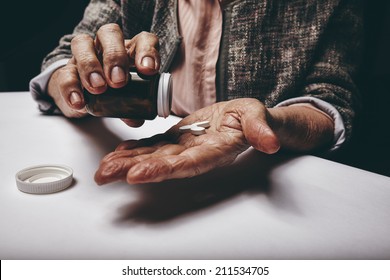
(67, 81)
(146, 170)
(113, 158)
(87, 62)
(150, 38)
(114, 54)
(109, 28)
(80, 38)
(68, 77)
(196, 171)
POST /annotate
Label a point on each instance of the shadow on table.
(161, 202)
(97, 133)
(169, 200)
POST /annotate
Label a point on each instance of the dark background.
(31, 29)
(370, 146)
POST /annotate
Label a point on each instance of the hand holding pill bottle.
(142, 98)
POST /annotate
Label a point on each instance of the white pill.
(185, 128)
(205, 124)
(197, 130)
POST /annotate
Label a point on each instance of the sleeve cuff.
(339, 128)
(38, 88)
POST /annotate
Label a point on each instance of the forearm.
(301, 128)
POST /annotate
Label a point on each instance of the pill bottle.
(142, 98)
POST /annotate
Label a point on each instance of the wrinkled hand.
(235, 125)
(100, 63)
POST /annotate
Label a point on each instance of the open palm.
(234, 126)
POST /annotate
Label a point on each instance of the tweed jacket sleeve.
(332, 77)
(97, 13)
(278, 50)
(133, 16)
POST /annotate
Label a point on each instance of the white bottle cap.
(44, 179)
(164, 95)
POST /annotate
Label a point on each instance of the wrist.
(301, 128)
(51, 85)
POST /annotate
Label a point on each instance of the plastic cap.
(44, 179)
(164, 95)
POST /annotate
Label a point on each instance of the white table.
(263, 207)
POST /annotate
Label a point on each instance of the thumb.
(257, 131)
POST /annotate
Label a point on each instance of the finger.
(70, 87)
(130, 51)
(110, 42)
(257, 131)
(169, 149)
(88, 65)
(127, 154)
(143, 48)
(133, 123)
(261, 137)
(116, 165)
(70, 101)
(191, 162)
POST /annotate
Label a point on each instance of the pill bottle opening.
(164, 95)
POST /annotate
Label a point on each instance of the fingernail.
(96, 80)
(75, 98)
(117, 75)
(148, 62)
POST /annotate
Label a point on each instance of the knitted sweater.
(270, 50)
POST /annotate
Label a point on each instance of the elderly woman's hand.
(102, 62)
(234, 126)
